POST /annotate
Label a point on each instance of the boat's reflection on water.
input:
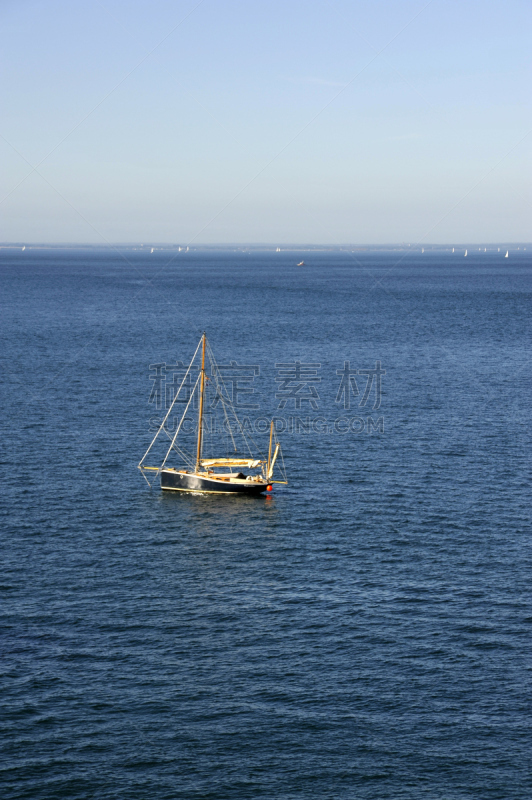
(210, 512)
(217, 502)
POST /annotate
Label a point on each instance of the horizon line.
(282, 245)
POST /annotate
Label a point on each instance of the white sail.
(272, 462)
(465, 253)
(506, 256)
(251, 463)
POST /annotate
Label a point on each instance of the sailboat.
(278, 250)
(223, 475)
(301, 264)
(465, 253)
(453, 249)
(506, 256)
(422, 249)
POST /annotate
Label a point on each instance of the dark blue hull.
(174, 481)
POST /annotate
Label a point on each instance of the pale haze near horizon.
(187, 122)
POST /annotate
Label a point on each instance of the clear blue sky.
(266, 121)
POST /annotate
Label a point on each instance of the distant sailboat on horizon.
(465, 253)
(453, 249)
(506, 256)
(422, 249)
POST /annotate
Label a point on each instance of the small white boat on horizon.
(465, 253)
(506, 256)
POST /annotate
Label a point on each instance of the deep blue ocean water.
(364, 632)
